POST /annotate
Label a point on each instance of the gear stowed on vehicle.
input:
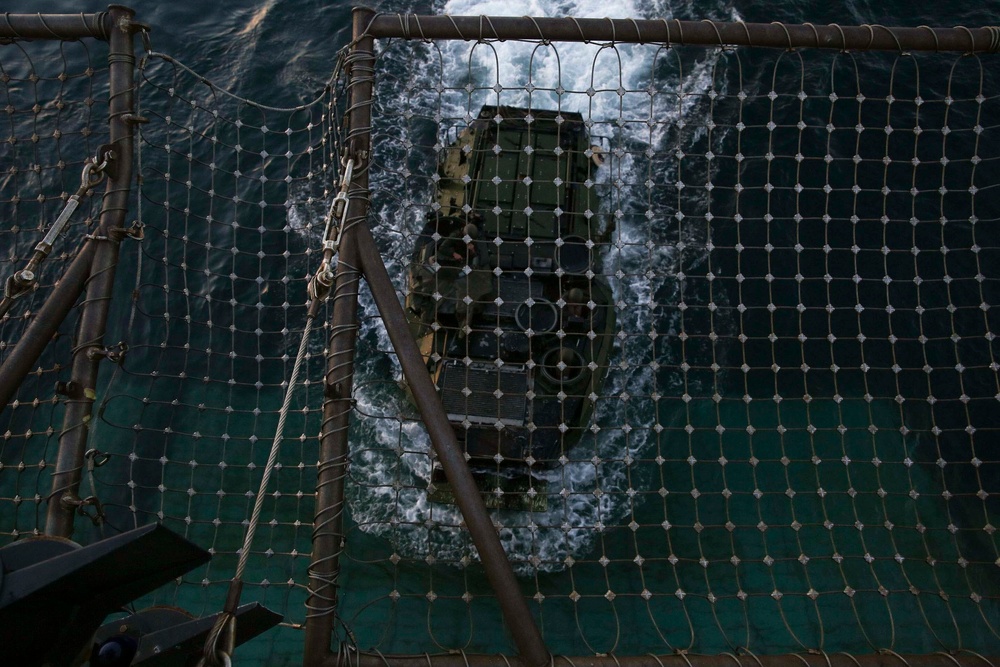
(507, 300)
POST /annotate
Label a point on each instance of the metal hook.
(82, 503)
(93, 171)
(97, 457)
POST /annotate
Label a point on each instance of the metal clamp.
(136, 231)
(68, 389)
(319, 287)
(81, 505)
(115, 353)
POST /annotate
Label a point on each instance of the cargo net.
(748, 378)
(53, 102)
(715, 327)
(212, 308)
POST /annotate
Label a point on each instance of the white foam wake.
(391, 460)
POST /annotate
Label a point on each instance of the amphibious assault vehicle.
(506, 297)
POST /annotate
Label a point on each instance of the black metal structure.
(169, 637)
(54, 595)
(93, 269)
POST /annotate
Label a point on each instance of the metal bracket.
(68, 389)
(319, 287)
(135, 231)
(20, 284)
(136, 26)
(170, 636)
(96, 458)
(106, 153)
(333, 391)
(115, 353)
(81, 505)
(134, 119)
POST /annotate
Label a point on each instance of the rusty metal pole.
(328, 524)
(56, 26)
(675, 31)
(63, 500)
(517, 616)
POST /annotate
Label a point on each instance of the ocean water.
(409, 571)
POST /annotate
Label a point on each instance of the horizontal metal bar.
(55, 26)
(674, 31)
(886, 659)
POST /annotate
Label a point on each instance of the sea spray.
(626, 97)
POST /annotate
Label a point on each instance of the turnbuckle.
(336, 219)
(23, 281)
(338, 211)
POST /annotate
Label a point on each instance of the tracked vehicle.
(507, 299)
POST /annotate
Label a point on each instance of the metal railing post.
(106, 239)
(358, 247)
(358, 239)
(67, 290)
(468, 497)
(328, 524)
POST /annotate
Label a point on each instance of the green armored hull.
(506, 296)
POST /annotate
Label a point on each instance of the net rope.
(55, 118)
(784, 456)
(229, 200)
(789, 449)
